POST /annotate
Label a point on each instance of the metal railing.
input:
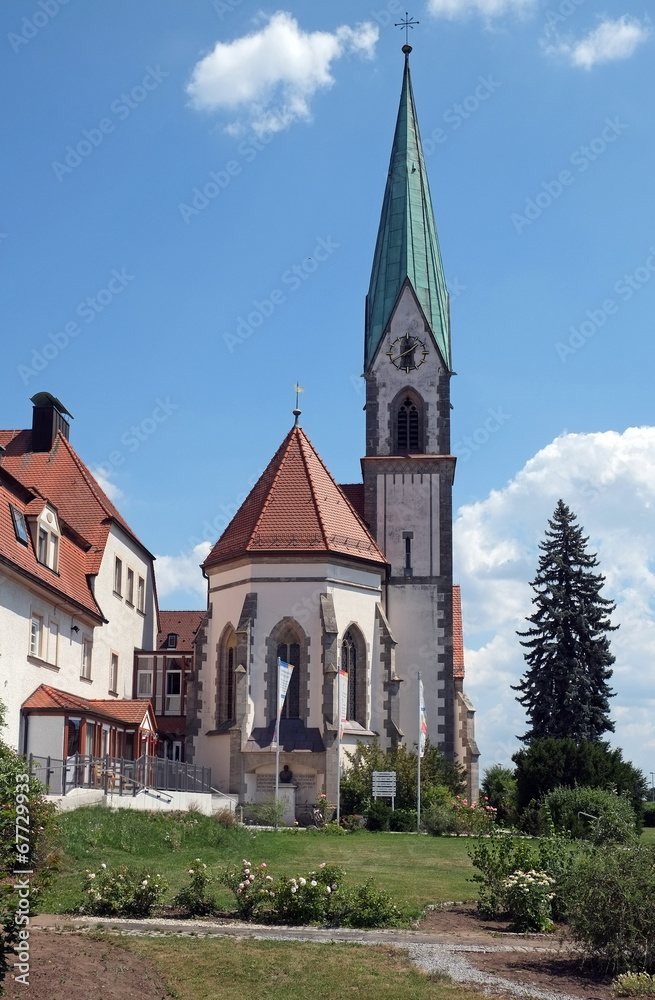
(118, 775)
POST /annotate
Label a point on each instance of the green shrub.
(634, 984)
(306, 900)
(611, 906)
(352, 823)
(252, 887)
(122, 892)
(364, 906)
(194, 898)
(499, 790)
(378, 816)
(548, 763)
(615, 822)
(403, 820)
(439, 820)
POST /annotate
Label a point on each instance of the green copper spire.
(407, 246)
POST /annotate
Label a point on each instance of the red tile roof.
(458, 634)
(85, 513)
(49, 698)
(184, 624)
(295, 506)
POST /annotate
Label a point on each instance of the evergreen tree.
(565, 690)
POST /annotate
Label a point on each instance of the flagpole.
(339, 747)
(277, 742)
(420, 740)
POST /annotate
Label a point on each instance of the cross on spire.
(408, 23)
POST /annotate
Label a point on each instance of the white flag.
(284, 679)
(343, 699)
(423, 726)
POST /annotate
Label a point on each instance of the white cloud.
(105, 484)
(270, 76)
(608, 479)
(453, 9)
(176, 573)
(610, 41)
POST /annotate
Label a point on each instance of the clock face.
(407, 352)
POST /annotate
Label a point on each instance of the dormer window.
(47, 540)
(171, 640)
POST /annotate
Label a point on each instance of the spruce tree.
(565, 690)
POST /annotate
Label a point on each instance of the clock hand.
(408, 351)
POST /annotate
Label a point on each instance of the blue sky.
(129, 300)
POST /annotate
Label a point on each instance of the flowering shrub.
(194, 897)
(308, 900)
(364, 906)
(123, 891)
(528, 896)
(634, 984)
(324, 807)
(460, 817)
(252, 886)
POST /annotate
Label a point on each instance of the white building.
(77, 599)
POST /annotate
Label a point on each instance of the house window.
(73, 741)
(225, 695)
(36, 635)
(53, 642)
(144, 680)
(113, 673)
(118, 577)
(47, 543)
(171, 640)
(129, 595)
(42, 553)
(141, 595)
(20, 527)
(87, 650)
(173, 692)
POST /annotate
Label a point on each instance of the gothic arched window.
(409, 425)
(289, 652)
(353, 662)
(225, 694)
(287, 642)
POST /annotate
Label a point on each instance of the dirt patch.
(544, 960)
(77, 967)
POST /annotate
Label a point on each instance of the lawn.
(416, 870)
(288, 970)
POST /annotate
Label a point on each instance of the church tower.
(408, 469)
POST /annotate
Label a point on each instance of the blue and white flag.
(343, 700)
(284, 671)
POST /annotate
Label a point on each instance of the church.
(354, 578)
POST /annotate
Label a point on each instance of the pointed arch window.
(289, 652)
(409, 425)
(288, 642)
(226, 706)
(353, 662)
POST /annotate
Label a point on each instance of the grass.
(648, 836)
(288, 970)
(415, 870)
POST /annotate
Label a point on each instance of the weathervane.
(408, 23)
(297, 411)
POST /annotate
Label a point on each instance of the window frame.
(20, 525)
(118, 577)
(53, 636)
(129, 587)
(36, 649)
(141, 595)
(87, 658)
(113, 672)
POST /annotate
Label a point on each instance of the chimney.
(48, 418)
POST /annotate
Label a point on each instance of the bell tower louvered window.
(409, 427)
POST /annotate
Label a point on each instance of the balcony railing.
(118, 775)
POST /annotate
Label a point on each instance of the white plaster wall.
(413, 615)
(409, 502)
(391, 380)
(127, 630)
